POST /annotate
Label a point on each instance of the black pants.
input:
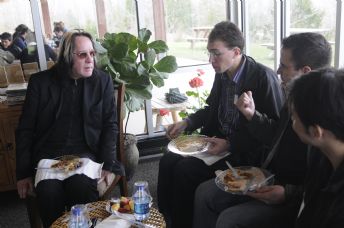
(55, 195)
(177, 181)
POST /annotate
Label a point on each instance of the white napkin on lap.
(210, 159)
(90, 168)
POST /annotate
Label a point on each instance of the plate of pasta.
(189, 145)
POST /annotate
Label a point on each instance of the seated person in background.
(69, 110)
(30, 54)
(59, 30)
(6, 41)
(317, 107)
(7, 44)
(6, 56)
(300, 53)
(19, 39)
(235, 73)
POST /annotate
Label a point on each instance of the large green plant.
(133, 61)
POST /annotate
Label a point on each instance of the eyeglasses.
(84, 54)
(214, 54)
(217, 53)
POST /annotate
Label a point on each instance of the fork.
(258, 185)
(235, 173)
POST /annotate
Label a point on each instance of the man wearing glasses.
(276, 205)
(69, 110)
(220, 119)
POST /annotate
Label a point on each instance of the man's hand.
(174, 130)
(245, 104)
(24, 186)
(217, 145)
(106, 176)
(274, 194)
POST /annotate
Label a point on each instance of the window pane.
(12, 9)
(261, 32)
(314, 16)
(188, 25)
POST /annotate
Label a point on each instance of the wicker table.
(97, 210)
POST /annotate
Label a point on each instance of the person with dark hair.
(6, 56)
(220, 120)
(7, 45)
(59, 30)
(317, 108)
(69, 110)
(6, 41)
(300, 53)
(19, 36)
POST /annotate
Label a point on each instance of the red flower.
(163, 112)
(196, 82)
(200, 72)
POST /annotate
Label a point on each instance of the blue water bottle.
(142, 200)
(78, 217)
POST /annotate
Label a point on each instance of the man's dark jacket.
(324, 194)
(42, 107)
(268, 97)
(289, 161)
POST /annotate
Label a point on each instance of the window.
(260, 40)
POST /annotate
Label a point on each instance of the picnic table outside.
(200, 35)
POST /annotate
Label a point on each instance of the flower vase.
(131, 155)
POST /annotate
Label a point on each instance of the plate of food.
(122, 205)
(67, 163)
(250, 178)
(188, 145)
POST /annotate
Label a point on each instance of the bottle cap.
(141, 184)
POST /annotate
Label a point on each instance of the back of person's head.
(308, 49)
(317, 98)
(67, 47)
(6, 36)
(21, 29)
(228, 33)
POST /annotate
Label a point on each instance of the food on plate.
(67, 164)
(246, 177)
(190, 144)
(123, 205)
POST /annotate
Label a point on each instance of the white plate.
(193, 149)
(251, 184)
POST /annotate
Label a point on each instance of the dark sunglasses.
(84, 54)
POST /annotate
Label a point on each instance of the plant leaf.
(134, 104)
(119, 51)
(156, 79)
(150, 57)
(167, 64)
(127, 39)
(133, 91)
(144, 35)
(159, 46)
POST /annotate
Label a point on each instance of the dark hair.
(59, 27)
(228, 33)
(21, 29)
(6, 36)
(67, 45)
(317, 98)
(308, 49)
